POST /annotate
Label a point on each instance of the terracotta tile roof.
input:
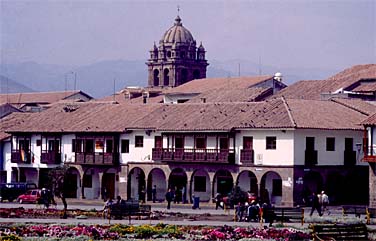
(312, 89)
(349, 76)
(230, 95)
(210, 84)
(305, 89)
(120, 98)
(370, 120)
(84, 117)
(12, 120)
(365, 87)
(111, 117)
(322, 114)
(365, 107)
(36, 97)
(217, 116)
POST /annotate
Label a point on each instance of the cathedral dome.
(177, 34)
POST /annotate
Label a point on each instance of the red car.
(31, 196)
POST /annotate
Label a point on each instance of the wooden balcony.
(16, 157)
(247, 156)
(369, 154)
(194, 155)
(349, 158)
(310, 157)
(97, 158)
(50, 157)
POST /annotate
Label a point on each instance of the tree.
(57, 177)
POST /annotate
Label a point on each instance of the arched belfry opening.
(177, 59)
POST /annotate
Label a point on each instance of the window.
(179, 141)
(271, 142)
(330, 144)
(99, 146)
(310, 143)
(158, 142)
(277, 187)
(247, 142)
(200, 142)
(109, 146)
(74, 145)
(200, 184)
(54, 145)
(125, 146)
(89, 146)
(88, 181)
(39, 142)
(139, 141)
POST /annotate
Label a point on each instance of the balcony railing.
(97, 158)
(369, 154)
(50, 157)
(349, 158)
(247, 156)
(194, 155)
(16, 157)
(310, 157)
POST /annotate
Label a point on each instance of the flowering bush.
(159, 231)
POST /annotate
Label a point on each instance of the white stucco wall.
(282, 155)
(139, 154)
(66, 148)
(326, 157)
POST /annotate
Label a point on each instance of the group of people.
(319, 202)
(175, 195)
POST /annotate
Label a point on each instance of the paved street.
(205, 208)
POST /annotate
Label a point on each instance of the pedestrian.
(142, 195)
(324, 202)
(315, 204)
(218, 200)
(183, 195)
(45, 196)
(169, 197)
(106, 207)
(104, 194)
(154, 193)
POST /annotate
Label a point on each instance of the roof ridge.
(350, 107)
(288, 111)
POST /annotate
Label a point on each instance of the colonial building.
(280, 149)
(177, 59)
(370, 155)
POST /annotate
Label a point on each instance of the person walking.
(169, 197)
(315, 204)
(154, 193)
(324, 202)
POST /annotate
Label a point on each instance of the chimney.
(203, 100)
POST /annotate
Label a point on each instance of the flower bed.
(159, 231)
(45, 213)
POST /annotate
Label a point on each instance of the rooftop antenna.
(75, 80)
(260, 65)
(239, 69)
(178, 10)
(114, 89)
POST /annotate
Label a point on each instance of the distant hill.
(98, 79)
(10, 86)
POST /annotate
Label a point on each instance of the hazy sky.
(303, 33)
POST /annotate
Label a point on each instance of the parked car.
(228, 202)
(10, 191)
(31, 196)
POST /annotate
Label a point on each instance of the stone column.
(372, 185)
(123, 182)
(100, 177)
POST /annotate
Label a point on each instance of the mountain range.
(103, 78)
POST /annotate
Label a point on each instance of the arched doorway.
(136, 184)
(312, 182)
(200, 185)
(71, 183)
(247, 181)
(271, 188)
(357, 187)
(223, 182)
(108, 183)
(166, 78)
(178, 182)
(156, 77)
(158, 178)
